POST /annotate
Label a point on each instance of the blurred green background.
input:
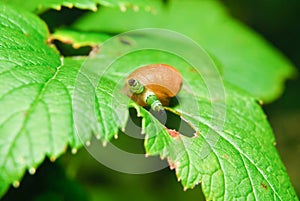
(80, 177)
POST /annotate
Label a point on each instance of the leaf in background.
(78, 39)
(50, 183)
(243, 54)
(40, 6)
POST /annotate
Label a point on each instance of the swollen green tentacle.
(135, 86)
(150, 98)
(155, 104)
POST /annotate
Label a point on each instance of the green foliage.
(50, 183)
(37, 86)
(78, 39)
(38, 6)
(35, 110)
(244, 55)
(243, 146)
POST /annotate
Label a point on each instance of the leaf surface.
(244, 55)
(238, 161)
(35, 97)
(79, 39)
(37, 117)
(123, 5)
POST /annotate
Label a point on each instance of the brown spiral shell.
(163, 80)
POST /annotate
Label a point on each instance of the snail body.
(153, 85)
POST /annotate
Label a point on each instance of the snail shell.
(161, 79)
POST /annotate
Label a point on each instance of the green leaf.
(35, 97)
(238, 161)
(243, 54)
(123, 5)
(78, 39)
(38, 118)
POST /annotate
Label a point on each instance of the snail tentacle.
(152, 100)
(135, 86)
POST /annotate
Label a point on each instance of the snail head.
(135, 86)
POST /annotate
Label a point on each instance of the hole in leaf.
(64, 17)
(168, 118)
(135, 119)
(69, 50)
(128, 142)
(173, 102)
(131, 139)
(174, 121)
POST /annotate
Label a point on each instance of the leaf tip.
(74, 151)
(116, 136)
(53, 158)
(94, 8)
(76, 45)
(260, 102)
(57, 7)
(16, 184)
(32, 170)
(104, 143)
(70, 6)
(171, 165)
(98, 137)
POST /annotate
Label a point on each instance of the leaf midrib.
(243, 156)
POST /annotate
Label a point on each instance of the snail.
(153, 85)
